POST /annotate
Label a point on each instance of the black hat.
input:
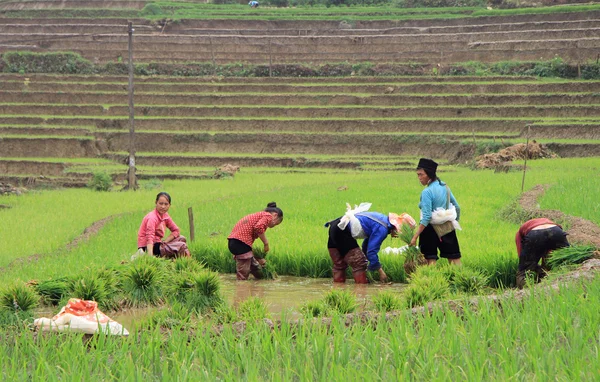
(427, 164)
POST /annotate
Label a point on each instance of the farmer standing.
(436, 195)
(535, 239)
(152, 232)
(243, 235)
(345, 251)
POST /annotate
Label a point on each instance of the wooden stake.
(526, 155)
(131, 179)
(191, 217)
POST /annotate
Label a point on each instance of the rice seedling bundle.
(423, 289)
(142, 282)
(387, 301)
(252, 309)
(53, 290)
(19, 298)
(341, 301)
(575, 254)
(412, 256)
(88, 287)
(314, 309)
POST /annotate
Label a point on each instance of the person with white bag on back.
(440, 213)
(359, 223)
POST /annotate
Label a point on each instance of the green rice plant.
(112, 279)
(412, 256)
(425, 288)
(187, 264)
(143, 282)
(315, 309)
(100, 181)
(198, 291)
(15, 320)
(88, 286)
(175, 316)
(469, 280)
(252, 309)
(268, 271)
(52, 290)
(340, 301)
(575, 254)
(18, 298)
(224, 313)
(387, 301)
(259, 253)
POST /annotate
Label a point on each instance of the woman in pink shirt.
(151, 235)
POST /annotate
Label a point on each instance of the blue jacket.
(375, 233)
(435, 196)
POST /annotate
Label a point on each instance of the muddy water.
(288, 293)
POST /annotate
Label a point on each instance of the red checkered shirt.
(250, 227)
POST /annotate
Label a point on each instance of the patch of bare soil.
(87, 233)
(502, 158)
(581, 231)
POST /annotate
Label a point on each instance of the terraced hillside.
(574, 36)
(64, 127)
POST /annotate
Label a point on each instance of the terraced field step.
(305, 99)
(277, 160)
(192, 27)
(241, 86)
(304, 81)
(337, 111)
(551, 128)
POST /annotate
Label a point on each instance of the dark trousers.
(535, 246)
(345, 251)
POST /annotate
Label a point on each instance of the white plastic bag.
(441, 215)
(349, 218)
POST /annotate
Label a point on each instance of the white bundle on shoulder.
(441, 215)
(349, 217)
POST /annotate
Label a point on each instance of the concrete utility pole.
(131, 179)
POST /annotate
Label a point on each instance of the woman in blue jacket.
(345, 251)
(435, 195)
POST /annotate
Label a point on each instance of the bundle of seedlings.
(52, 290)
(412, 256)
(575, 254)
(268, 272)
(18, 298)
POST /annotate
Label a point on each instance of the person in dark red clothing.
(243, 235)
(535, 239)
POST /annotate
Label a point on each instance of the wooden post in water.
(191, 217)
(131, 179)
(526, 155)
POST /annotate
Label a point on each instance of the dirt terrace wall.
(48, 148)
(285, 144)
(291, 100)
(569, 111)
(30, 167)
(392, 87)
(339, 126)
(71, 4)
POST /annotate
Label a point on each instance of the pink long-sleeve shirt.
(152, 229)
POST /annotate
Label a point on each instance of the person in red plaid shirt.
(243, 235)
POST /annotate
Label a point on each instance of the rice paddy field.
(319, 107)
(550, 334)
